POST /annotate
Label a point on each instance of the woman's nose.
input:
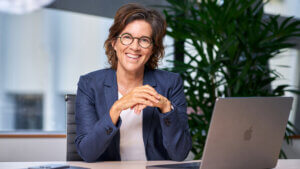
(135, 44)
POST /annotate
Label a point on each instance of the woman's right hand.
(142, 95)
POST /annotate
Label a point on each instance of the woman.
(132, 111)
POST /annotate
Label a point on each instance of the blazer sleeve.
(175, 129)
(94, 134)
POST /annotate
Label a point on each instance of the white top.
(131, 136)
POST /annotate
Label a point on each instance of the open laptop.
(244, 133)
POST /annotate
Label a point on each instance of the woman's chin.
(134, 68)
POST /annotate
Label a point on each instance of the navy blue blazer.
(166, 136)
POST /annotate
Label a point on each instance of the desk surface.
(282, 164)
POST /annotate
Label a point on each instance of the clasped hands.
(138, 99)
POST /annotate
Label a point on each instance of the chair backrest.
(72, 154)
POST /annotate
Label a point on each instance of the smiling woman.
(130, 111)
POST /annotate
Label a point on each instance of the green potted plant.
(228, 45)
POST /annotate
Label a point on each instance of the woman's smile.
(133, 56)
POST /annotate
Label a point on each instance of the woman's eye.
(127, 37)
(145, 40)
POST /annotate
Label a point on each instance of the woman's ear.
(113, 44)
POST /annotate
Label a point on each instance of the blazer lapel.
(111, 95)
(148, 111)
(111, 88)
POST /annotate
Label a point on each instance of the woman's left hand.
(164, 105)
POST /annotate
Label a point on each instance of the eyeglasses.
(127, 39)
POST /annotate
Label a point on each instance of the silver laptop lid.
(246, 132)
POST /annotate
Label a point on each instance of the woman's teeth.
(133, 56)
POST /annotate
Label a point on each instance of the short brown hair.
(125, 15)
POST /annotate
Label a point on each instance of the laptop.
(244, 133)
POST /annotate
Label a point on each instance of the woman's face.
(133, 57)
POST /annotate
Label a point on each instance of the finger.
(144, 102)
(161, 102)
(148, 89)
(138, 109)
(144, 90)
(130, 101)
(135, 109)
(142, 107)
(146, 96)
(139, 112)
(132, 107)
(151, 91)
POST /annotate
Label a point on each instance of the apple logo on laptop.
(248, 134)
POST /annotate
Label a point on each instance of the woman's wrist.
(114, 113)
(167, 107)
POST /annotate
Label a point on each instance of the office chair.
(72, 154)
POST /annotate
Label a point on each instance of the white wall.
(283, 7)
(1, 72)
(25, 58)
(78, 45)
(45, 53)
(32, 149)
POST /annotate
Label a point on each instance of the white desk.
(282, 164)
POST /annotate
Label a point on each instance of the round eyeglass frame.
(139, 40)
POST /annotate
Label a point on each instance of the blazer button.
(109, 131)
(167, 122)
